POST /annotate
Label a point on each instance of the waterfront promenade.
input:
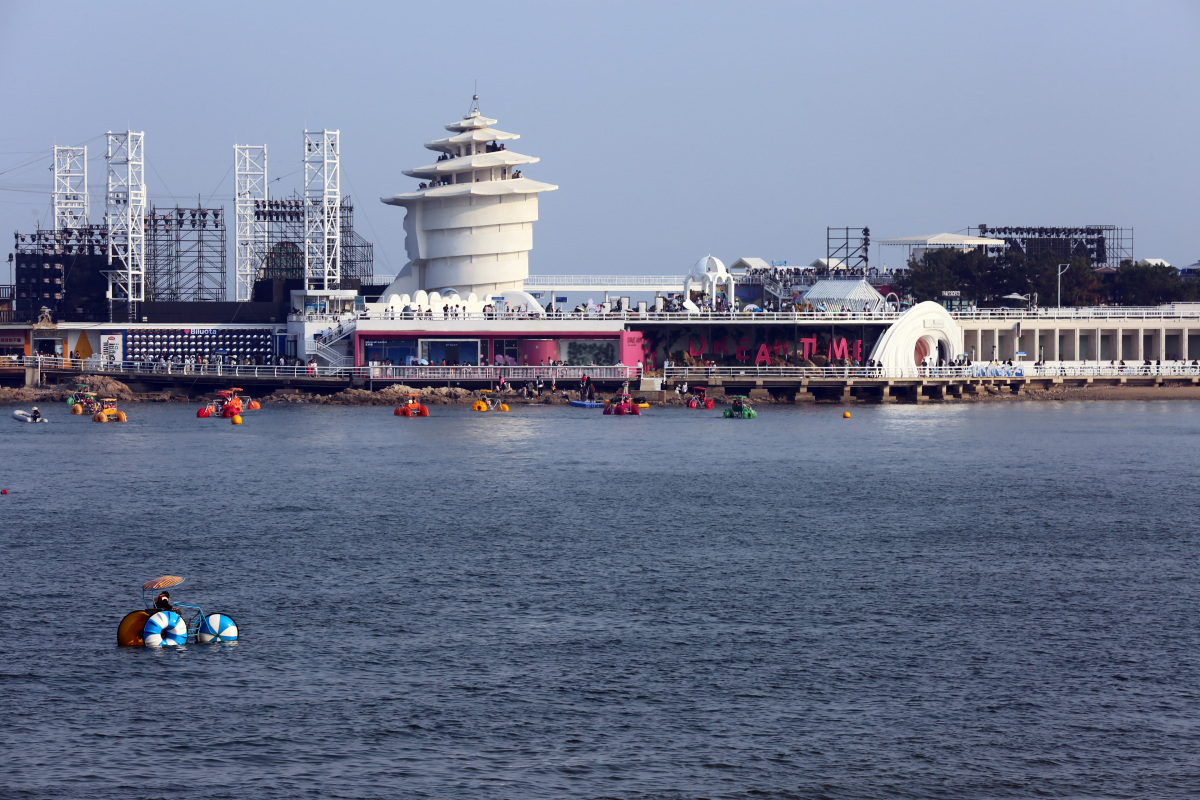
(782, 384)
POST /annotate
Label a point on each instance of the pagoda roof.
(471, 121)
(485, 188)
(476, 135)
(499, 158)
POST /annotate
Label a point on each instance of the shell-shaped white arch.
(926, 322)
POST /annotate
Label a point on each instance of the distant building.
(469, 225)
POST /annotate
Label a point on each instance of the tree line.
(985, 281)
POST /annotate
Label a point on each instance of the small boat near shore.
(21, 415)
(586, 403)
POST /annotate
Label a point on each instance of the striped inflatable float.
(165, 628)
(217, 628)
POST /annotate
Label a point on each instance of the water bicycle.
(21, 415)
(228, 404)
(740, 408)
(622, 405)
(412, 408)
(84, 403)
(699, 398)
(108, 411)
(487, 402)
(166, 623)
(82, 400)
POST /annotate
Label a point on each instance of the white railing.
(734, 374)
(1028, 370)
(812, 315)
(419, 373)
(469, 373)
(564, 281)
(1084, 312)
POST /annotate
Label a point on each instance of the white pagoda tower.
(470, 223)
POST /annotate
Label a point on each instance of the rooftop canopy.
(749, 263)
(845, 295)
(943, 240)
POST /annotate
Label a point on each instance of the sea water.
(993, 600)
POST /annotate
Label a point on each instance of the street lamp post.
(1061, 269)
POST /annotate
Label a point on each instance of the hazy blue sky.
(673, 129)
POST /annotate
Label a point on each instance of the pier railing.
(698, 375)
(1098, 313)
(608, 374)
(374, 372)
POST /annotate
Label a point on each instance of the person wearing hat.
(163, 602)
(35, 415)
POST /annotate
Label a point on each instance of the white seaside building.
(469, 225)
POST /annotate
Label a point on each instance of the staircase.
(333, 357)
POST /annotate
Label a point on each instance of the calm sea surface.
(967, 601)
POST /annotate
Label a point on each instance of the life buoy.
(165, 628)
(217, 628)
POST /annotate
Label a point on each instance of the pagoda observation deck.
(470, 221)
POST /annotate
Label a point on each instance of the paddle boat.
(165, 623)
(21, 415)
(412, 408)
(699, 398)
(247, 403)
(108, 411)
(85, 403)
(740, 408)
(487, 402)
(228, 404)
(622, 405)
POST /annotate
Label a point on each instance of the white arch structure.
(915, 336)
(709, 273)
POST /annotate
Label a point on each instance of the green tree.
(1150, 285)
(946, 269)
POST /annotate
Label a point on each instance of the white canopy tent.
(944, 240)
(844, 295)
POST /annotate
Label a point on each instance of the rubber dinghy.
(21, 415)
(586, 403)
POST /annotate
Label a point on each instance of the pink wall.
(631, 348)
(536, 351)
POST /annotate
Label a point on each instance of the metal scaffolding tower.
(70, 188)
(250, 236)
(358, 255)
(187, 254)
(124, 215)
(322, 198)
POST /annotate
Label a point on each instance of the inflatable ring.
(129, 632)
(217, 628)
(165, 628)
